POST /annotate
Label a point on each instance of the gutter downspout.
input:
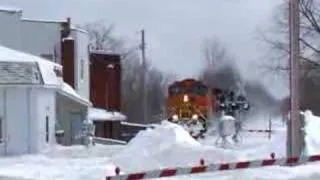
(5, 121)
(29, 118)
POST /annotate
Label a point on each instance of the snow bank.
(312, 138)
(167, 145)
(165, 133)
(227, 118)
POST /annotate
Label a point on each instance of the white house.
(45, 38)
(28, 89)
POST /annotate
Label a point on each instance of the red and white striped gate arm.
(214, 167)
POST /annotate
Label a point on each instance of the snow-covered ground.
(62, 163)
(168, 145)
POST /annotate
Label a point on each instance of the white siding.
(41, 38)
(2, 150)
(34, 129)
(17, 120)
(25, 115)
(10, 30)
(43, 103)
(81, 54)
(46, 107)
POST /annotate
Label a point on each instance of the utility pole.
(294, 136)
(143, 77)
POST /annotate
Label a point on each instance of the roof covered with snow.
(98, 114)
(58, 21)
(68, 91)
(16, 67)
(49, 70)
(10, 9)
(102, 51)
(67, 38)
(138, 125)
(73, 27)
(19, 73)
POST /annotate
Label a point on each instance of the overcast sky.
(175, 29)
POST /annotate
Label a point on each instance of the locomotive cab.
(189, 105)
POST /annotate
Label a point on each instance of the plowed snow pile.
(167, 145)
(312, 133)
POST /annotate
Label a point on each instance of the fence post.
(202, 162)
(273, 155)
(117, 171)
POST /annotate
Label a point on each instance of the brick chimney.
(68, 54)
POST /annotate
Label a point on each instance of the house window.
(47, 128)
(81, 69)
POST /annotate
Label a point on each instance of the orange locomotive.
(189, 103)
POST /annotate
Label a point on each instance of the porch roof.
(98, 114)
(69, 92)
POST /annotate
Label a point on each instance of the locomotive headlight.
(185, 98)
(195, 116)
(175, 117)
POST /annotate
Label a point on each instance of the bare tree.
(157, 83)
(215, 54)
(218, 71)
(277, 39)
(102, 38)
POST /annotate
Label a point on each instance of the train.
(189, 103)
(193, 104)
